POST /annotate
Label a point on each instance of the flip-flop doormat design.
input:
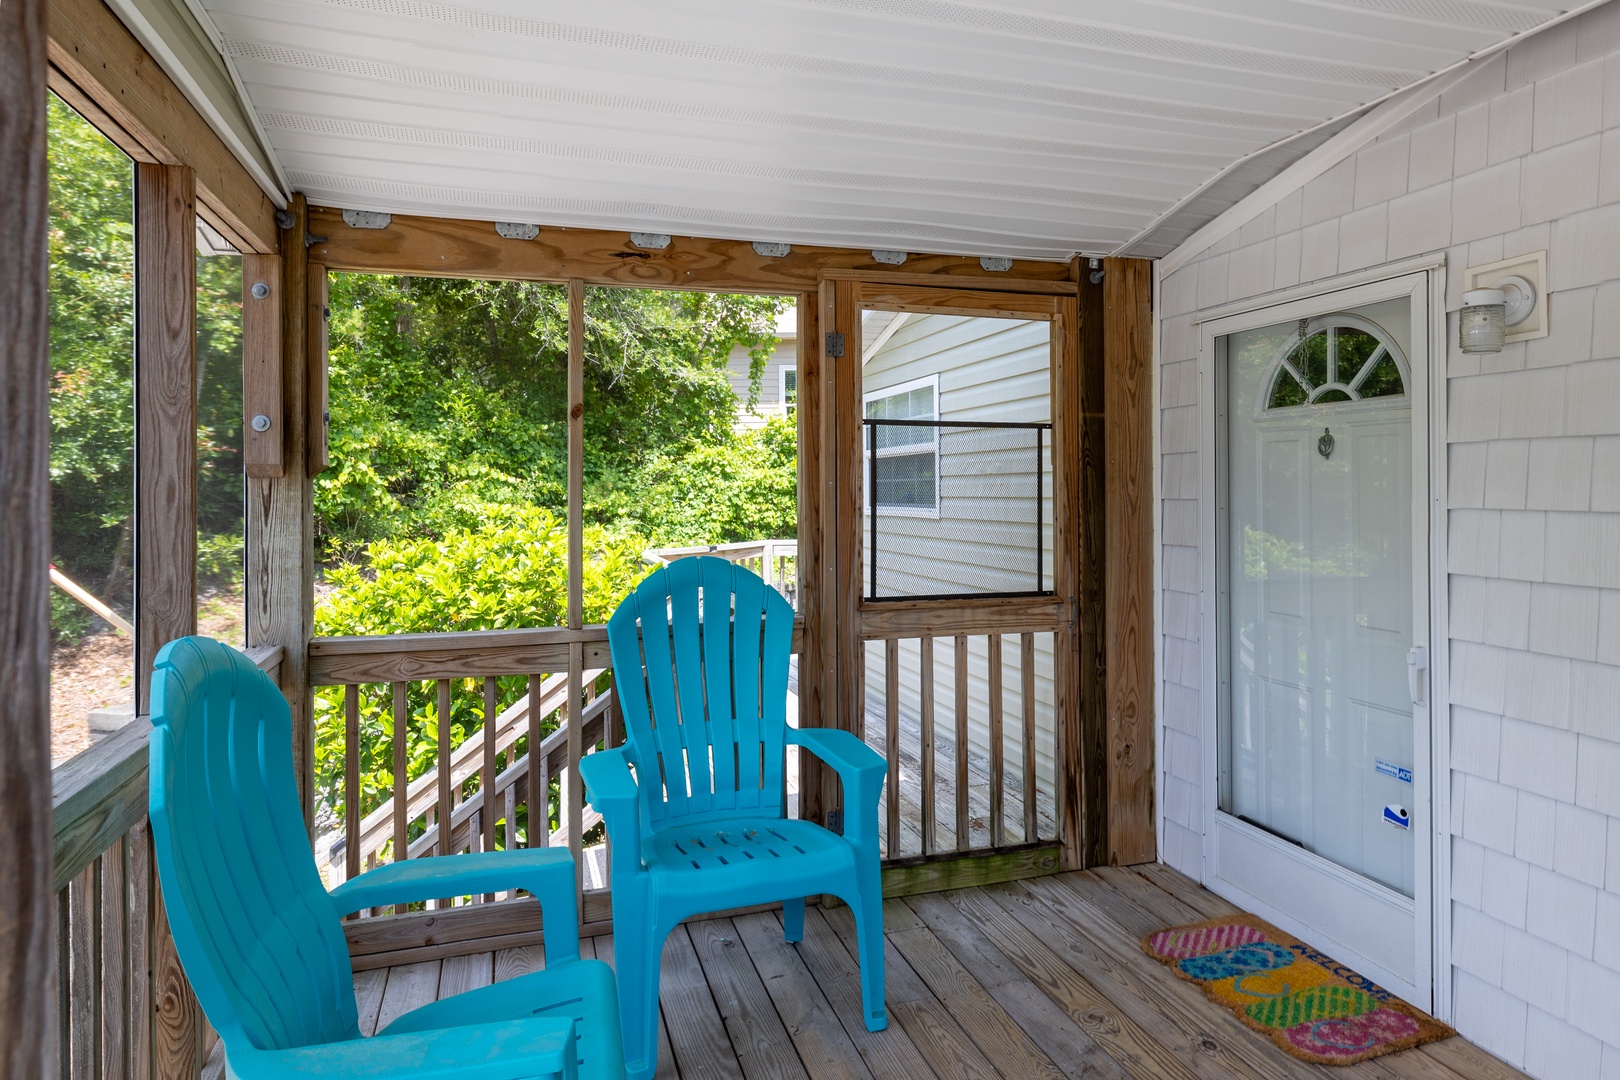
(1311, 1005)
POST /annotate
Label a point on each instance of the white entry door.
(1320, 550)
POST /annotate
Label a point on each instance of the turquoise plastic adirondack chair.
(700, 664)
(261, 939)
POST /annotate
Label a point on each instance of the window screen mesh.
(956, 508)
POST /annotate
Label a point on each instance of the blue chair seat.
(745, 860)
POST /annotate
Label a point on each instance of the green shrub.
(510, 572)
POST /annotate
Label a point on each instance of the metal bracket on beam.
(996, 264)
(771, 251)
(367, 219)
(889, 258)
(515, 230)
(656, 241)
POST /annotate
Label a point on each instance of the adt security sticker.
(1389, 768)
(1397, 816)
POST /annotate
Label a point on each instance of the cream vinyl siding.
(770, 385)
(1522, 156)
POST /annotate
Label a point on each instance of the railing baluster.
(81, 974)
(114, 961)
(140, 966)
(573, 790)
(997, 751)
(891, 737)
(539, 782)
(447, 824)
(964, 838)
(927, 713)
(402, 777)
(351, 782)
(64, 984)
(1026, 672)
(486, 786)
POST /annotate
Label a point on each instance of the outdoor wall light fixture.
(1487, 313)
(1483, 323)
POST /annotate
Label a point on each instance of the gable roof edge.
(1380, 118)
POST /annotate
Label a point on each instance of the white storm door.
(1320, 552)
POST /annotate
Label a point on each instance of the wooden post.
(280, 510)
(165, 413)
(166, 514)
(28, 1044)
(1090, 749)
(261, 365)
(813, 562)
(1127, 384)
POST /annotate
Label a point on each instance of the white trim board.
(1393, 108)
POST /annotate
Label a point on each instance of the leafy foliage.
(92, 335)
(449, 394)
(509, 572)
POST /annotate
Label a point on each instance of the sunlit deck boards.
(1035, 979)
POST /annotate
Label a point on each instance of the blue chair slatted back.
(258, 936)
(700, 664)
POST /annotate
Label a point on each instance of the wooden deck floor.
(1033, 979)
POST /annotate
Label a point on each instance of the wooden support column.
(28, 1041)
(1127, 401)
(165, 413)
(1092, 742)
(166, 515)
(280, 509)
(1068, 578)
(815, 576)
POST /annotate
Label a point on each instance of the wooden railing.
(967, 723)
(123, 1004)
(497, 791)
(776, 561)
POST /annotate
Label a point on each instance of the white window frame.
(932, 382)
(782, 401)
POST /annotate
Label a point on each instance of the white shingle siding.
(1522, 155)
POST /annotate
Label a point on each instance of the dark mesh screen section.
(955, 508)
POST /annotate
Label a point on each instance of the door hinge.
(835, 821)
(835, 345)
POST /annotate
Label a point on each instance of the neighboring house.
(778, 387)
(1493, 481)
(957, 506)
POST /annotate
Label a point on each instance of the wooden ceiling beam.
(446, 247)
(100, 69)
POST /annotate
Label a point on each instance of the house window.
(1335, 358)
(907, 457)
(790, 389)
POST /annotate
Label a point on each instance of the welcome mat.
(1310, 1004)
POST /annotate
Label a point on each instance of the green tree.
(448, 394)
(92, 332)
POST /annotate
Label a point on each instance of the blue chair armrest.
(506, 1050)
(610, 787)
(859, 767)
(547, 873)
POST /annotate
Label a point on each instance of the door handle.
(1417, 662)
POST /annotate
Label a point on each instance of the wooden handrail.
(380, 658)
(98, 796)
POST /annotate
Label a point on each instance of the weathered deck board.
(1037, 978)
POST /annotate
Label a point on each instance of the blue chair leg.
(868, 912)
(793, 919)
(637, 952)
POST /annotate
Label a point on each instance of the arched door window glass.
(1335, 358)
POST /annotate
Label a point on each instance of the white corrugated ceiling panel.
(1032, 128)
